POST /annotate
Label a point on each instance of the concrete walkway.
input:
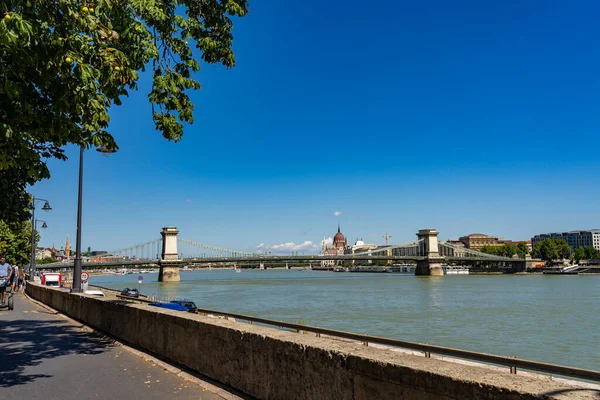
(45, 356)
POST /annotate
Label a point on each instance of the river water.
(546, 318)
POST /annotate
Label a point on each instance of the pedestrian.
(5, 276)
(13, 276)
(20, 279)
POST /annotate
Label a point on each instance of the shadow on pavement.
(594, 392)
(25, 343)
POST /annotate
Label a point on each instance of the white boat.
(458, 270)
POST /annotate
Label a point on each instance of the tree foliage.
(546, 250)
(522, 249)
(15, 241)
(63, 63)
(47, 260)
(14, 199)
(564, 250)
(586, 253)
(552, 249)
(506, 250)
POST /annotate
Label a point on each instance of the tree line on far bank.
(547, 250)
(507, 250)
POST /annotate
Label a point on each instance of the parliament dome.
(339, 240)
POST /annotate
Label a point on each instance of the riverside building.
(476, 241)
(361, 247)
(575, 239)
(336, 249)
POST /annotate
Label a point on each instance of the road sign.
(140, 278)
(84, 277)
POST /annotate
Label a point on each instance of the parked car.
(189, 305)
(130, 292)
(51, 279)
(170, 306)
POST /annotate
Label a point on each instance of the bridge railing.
(400, 250)
(512, 363)
(161, 298)
(446, 249)
(220, 251)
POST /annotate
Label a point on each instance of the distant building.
(575, 239)
(361, 247)
(475, 241)
(41, 253)
(336, 249)
(68, 249)
(98, 253)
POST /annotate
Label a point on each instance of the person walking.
(14, 275)
(20, 279)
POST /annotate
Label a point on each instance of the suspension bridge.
(428, 253)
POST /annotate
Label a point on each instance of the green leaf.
(62, 70)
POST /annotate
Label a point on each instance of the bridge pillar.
(519, 265)
(432, 264)
(169, 264)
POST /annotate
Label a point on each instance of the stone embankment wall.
(273, 364)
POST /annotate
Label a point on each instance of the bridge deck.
(280, 259)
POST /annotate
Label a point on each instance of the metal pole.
(32, 261)
(77, 263)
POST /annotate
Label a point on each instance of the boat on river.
(570, 270)
(456, 270)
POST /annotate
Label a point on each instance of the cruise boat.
(456, 270)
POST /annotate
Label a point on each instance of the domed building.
(339, 241)
(336, 249)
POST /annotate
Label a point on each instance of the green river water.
(546, 318)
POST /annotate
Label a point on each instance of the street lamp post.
(76, 287)
(46, 207)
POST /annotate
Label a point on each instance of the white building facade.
(575, 239)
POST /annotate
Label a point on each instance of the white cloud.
(337, 213)
(288, 247)
(327, 242)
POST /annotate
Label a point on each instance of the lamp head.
(44, 225)
(46, 207)
(106, 151)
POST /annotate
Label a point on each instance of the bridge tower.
(169, 264)
(432, 264)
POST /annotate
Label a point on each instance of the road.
(45, 356)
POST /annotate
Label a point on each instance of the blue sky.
(463, 116)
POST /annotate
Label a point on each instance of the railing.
(162, 298)
(427, 349)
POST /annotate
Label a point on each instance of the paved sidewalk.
(45, 356)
